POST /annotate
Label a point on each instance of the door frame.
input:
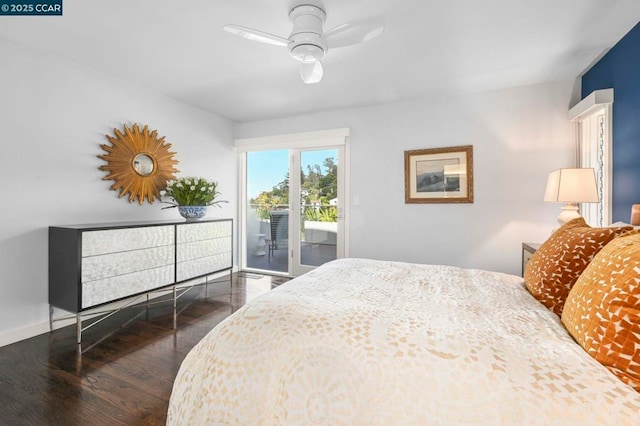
(322, 139)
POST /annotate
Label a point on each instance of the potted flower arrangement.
(192, 195)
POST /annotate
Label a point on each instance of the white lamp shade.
(572, 186)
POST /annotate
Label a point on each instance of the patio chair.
(279, 231)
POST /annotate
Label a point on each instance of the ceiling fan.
(307, 42)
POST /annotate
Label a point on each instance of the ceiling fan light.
(311, 72)
(307, 53)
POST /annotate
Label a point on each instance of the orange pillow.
(557, 264)
(603, 309)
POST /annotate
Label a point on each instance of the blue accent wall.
(620, 69)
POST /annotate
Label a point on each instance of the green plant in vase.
(192, 195)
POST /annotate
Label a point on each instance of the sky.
(265, 169)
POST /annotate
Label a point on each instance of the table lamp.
(571, 186)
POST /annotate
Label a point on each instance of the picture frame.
(439, 175)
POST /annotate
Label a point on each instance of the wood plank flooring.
(125, 372)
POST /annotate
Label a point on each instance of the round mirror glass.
(143, 164)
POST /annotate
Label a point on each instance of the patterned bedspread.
(384, 343)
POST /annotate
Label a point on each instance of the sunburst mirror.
(139, 162)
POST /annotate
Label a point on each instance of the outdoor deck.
(312, 254)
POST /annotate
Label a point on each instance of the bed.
(359, 341)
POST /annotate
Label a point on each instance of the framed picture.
(439, 175)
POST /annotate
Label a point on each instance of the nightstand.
(527, 251)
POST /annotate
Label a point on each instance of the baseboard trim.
(12, 336)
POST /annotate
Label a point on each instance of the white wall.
(518, 136)
(54, 115)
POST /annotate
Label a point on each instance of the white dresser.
(91, 265)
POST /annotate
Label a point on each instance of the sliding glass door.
(293, 222)
(317, 202)
(267, 211)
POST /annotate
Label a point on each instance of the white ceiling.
(429, 47)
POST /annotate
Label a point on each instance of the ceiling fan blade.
(354, 32)
(311, 72)
(255, 35)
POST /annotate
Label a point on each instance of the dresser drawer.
(190, 232)
(121, 286)
(197, 249)
(119, 240)
(201, 266)
(114, 264)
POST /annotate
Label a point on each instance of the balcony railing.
(310, 212)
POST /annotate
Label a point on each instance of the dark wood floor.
(125, 372)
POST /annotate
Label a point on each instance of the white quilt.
(367, 342)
